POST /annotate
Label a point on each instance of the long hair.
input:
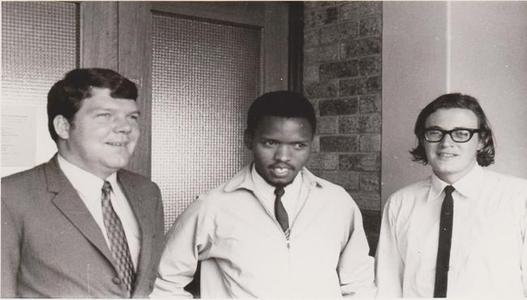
(485, 156)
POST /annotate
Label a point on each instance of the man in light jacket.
(274, 229)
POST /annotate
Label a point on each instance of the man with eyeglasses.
(462, 231)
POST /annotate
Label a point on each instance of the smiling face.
(450, 161)
(281, 147)
(103, 135)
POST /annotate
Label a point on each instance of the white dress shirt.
(89, 186)
(488, 256)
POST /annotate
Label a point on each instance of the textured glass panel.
(39, 45)
(204, 77)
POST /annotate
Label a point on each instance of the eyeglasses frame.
(449, 132)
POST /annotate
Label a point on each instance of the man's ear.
(248, 139)
(62, 127)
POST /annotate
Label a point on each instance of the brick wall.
(343, 79)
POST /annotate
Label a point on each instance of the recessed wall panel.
(204, 77)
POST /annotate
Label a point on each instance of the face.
(450, 161)
(281, 147)
(102, 137)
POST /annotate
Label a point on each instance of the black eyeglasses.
(458, 135)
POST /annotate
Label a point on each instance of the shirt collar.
(470, 184)
(467, 186)
(244, 179)
(83, 181)
(268, 190)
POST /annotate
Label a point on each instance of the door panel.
(204, 76)
(209, 61)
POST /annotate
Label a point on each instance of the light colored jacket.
(244, 252)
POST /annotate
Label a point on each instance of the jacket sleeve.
(181, 253)
(389, 263)
(356, 267)
(10, 253)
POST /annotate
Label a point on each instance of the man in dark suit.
(79, 225)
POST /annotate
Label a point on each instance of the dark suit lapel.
(69, 203)
(134, 196)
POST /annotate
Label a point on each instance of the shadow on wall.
(372, 224)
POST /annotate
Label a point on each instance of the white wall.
(489, 61)
(431, 48)
(414, 72)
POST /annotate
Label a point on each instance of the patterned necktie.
(279, 209)
(445, 240)
(117, 238)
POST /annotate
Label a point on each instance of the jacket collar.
(65, 198)
(243, 180)
(136, 199)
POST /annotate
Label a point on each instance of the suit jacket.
(52, 246)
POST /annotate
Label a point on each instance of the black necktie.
(445, 240)
(279, 209)
(117, 238)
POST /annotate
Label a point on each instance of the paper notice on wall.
(18, 136)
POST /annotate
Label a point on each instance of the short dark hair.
(66, 95)
(485, 156)
(285, 104)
